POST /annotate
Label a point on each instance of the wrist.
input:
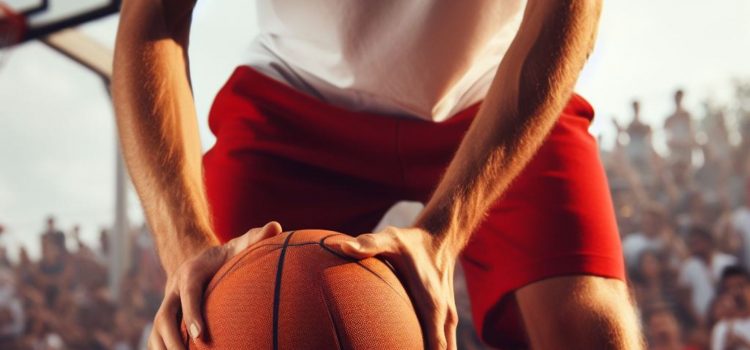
(442, 248)
(446, 238)
(182, 246)
(439, 221)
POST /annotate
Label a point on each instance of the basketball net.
(12, 27)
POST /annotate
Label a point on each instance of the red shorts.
(283, 155)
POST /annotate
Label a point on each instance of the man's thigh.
(586, 312)
(556, 219)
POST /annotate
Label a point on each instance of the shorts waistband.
(278, 93)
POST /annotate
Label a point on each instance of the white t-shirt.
(424, 58)
(740, 328)
(702, 279)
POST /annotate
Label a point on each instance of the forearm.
(531, 86)
(158, 128)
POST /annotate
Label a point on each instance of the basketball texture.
(292, 292)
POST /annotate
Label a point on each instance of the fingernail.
(195, 331)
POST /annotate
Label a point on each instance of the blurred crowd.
(683, 210)
(64, 300)
(684, 217)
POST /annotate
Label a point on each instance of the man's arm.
(532, 85)
(158, 129)
(158, 126)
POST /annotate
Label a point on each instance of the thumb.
(365, 246)
(253, 236)
(270, 229)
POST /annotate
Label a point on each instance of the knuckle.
(440, 341)
(367, 240)
(190, 277)
(391, 231)
(451, 318)
(452, 311)
(197, 261)
(159, 320)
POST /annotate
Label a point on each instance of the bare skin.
(158, 129)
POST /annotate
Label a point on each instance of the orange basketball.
(292, 292)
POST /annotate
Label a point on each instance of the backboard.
(43, 17)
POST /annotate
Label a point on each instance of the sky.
(57, 133)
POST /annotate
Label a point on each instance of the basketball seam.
(336, 331)
(277, 291)
(322, 245)
(237, 264)
(386, 282)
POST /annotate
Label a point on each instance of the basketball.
(293, 292)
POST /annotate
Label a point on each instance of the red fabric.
(283, 155)
(12, 26)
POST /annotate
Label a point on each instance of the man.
(734, 332)
(680, 131)
(640, 148)
(700, 272)
(51, 230)
(12, 316)
(651, 236)
(663, 328)
(346, 107)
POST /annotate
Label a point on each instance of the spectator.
(733, 330)
(740, 225)
(12, 317)
(52, 231)
(699, 273)
(103, 252)
(718, 138)
(651, 235)
(654, 283)
(680, 131)
(639, 146)
(4, 261)
(663, 331)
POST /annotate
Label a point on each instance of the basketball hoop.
(12, 27)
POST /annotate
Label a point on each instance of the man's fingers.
(191, 295)
(185, 290)
(165, 323)
(451, 323)
(436, 337)
(155, 342)
(273, 228)
(270, 229)
(432, 318)
(169, 332)
(367, 245)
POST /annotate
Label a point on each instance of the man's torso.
(427, 59)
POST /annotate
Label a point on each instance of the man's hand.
(426, 266)
(184, 288)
